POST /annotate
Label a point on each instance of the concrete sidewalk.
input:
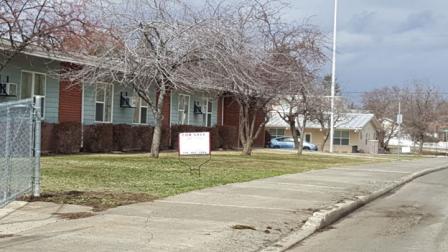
(201, 220)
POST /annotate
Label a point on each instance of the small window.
(276, 133)
(207, 111)
(341, 137)
(308, 137)
(103, 102)
(183, 107)
(33, 84)
(140, 111)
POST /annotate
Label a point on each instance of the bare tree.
(155, 48)
(322, 112)
(35, 24)
(383, 102)
(300, 55)
(420, 105)
(257, 57)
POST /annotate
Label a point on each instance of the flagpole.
(333, 75)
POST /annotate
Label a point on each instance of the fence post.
(8, 153)
(37, 140)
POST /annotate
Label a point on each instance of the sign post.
(193, 144)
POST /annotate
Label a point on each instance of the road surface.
(414, 218)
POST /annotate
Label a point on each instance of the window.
(341, 137)
(34, 84)
(140, 111)
(103, 103)
(276, 133)
(308, 137)
(207, 111)
(183, 107)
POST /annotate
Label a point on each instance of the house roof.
(351, 121)
(32, 50)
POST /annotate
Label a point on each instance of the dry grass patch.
(109, 180)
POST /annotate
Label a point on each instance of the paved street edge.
(325, 218)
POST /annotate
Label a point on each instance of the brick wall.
(70, 99)
(232, 117)
(219, 116)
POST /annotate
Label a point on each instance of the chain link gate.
(19, 149)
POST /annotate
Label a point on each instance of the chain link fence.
(19, 159)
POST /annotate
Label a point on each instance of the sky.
(382, 42)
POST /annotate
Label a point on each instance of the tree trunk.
(302, 137)
(158, 118)
(420, 145)
(292, 127)
(156, 137)
(247, 148)
(248, 130)
(325, 140)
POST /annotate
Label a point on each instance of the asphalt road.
(414, 218)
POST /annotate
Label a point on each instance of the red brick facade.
(232, 117)
(166, 111)
(70, 100)
(219, 111)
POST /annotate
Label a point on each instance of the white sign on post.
(194, 143)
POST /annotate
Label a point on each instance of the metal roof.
(351, 121)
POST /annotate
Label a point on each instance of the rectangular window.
(207, 111)
(341, 137)
(34, 84)
(140, 111)
(103, 102)
(183, 107)
(308, 137)
(276, 133)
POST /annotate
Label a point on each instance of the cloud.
(383, 42)
(420, 20)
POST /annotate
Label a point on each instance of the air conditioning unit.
(8, 89)
(197, 109)
(127, 101)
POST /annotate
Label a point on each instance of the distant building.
(353, 132)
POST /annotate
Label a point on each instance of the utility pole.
(399, 122)
(333, 75)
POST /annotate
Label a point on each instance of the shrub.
(47, 137)
(68, 137)
(98, 138)
(132, 137)
(123, 137)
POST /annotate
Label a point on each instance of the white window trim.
(189, 108)
(139, 107)
(33, 86)
(104, 107)
(207, 101)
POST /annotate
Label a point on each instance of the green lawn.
(115, 179)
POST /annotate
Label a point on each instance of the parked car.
(288, 143)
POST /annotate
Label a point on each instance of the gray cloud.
(383, 42)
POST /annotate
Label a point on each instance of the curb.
(325, 218)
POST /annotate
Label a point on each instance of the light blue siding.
(89, 104)
(194, 119)
(119, 115)
(34, 64)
